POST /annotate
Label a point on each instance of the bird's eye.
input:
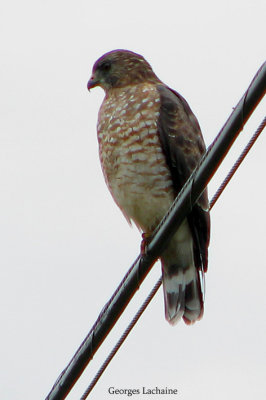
(105, 66)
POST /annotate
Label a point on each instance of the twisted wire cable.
(159, 282)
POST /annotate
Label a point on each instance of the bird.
(149, 144)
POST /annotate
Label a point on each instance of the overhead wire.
(238, 162)
(159, 282)
(122, 339)
(180, 208)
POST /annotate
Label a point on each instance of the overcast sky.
(64, 244)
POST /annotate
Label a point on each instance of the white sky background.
(65, 245)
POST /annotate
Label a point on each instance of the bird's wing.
(183, 146)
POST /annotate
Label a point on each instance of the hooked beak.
(92, 82)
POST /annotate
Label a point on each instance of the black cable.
(122, 339)
(143, 264)
(158, 284)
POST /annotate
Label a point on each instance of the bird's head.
(120, 68)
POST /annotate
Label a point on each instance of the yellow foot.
(144, 242)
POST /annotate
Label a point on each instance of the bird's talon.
(144, 242)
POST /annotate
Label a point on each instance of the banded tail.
(183, 293)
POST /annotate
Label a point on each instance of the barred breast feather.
(131, 154)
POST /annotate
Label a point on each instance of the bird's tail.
(183, 293)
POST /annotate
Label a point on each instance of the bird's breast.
(131, 154)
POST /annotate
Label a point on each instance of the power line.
(237, 163)
(180, 208)
(158, 284)
(122, 339)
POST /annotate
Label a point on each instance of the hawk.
(149, 144)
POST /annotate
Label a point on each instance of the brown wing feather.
(183, 147)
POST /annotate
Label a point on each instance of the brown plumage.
(149, 143)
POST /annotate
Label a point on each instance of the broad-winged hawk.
(149, 143)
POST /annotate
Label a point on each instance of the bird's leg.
(145, 240)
